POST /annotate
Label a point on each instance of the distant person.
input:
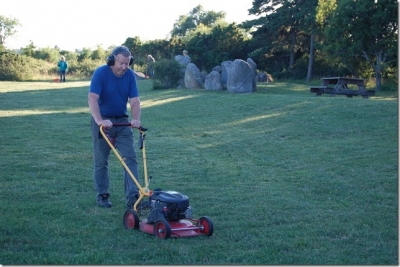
(63, 66)
(186, 55)
(112, 86)
(150, 67)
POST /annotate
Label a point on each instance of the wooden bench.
(341, 87)
(321, 89)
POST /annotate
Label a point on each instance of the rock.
(203, 74)
(240, 77)
(225, 66)
(218, 69)
(184, 61)
(193, 77)
(262, 77)
(213, 81)
(253, 66)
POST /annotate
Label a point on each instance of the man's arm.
(95, 110)
(135, 111)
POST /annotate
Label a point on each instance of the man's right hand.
(105, 123)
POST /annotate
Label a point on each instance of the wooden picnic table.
(341, 87)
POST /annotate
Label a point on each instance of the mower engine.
(171, 205)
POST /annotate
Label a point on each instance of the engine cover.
(177, 198)
(172, 205)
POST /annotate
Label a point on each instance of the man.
(111, 87)
(63, 66)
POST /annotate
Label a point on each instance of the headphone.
(111, 58)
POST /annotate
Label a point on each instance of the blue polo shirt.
(114, 91)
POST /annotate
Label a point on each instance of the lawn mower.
(168, 212)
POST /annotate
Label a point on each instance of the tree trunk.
(311, 59)
(292, 47)
(378, 70)
(377, 67)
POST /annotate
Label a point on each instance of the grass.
(285, 176)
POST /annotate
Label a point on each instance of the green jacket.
(63, 65)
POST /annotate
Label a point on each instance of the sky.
(77, 24)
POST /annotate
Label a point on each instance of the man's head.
(119, 60)
(62, 58)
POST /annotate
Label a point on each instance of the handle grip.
(141, 128)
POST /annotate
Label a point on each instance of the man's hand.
(105, 123)
(135, 123)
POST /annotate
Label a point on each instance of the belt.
(115, 117)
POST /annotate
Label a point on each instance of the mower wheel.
(207, 225)
(131, 219)
(162, 229)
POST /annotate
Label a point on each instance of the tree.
(191, 21)
(99, 53)
(208, 50)
(361, 29)
(29, 50)
(133, 44)
(48, 54)
(86, 53)
(284, 31)
(7, 28)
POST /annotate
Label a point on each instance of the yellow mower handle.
(143, 191)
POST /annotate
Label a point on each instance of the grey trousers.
(125, 145)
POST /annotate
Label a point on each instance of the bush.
(85, 68)
(15, 67)
(166, 74)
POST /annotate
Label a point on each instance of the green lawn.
(286, 177)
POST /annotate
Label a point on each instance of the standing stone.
(253, 66)
(226, 65)
(213, 81)
(203, 74)
(262, 77)
(184, 61)
(217, 68)
(193, 77)
(240, 78)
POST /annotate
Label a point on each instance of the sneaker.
(131, 202)
(102, 201)
(143, 204)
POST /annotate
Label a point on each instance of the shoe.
(143, 204)
(102, 201)
(131, 202)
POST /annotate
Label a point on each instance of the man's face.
(121, 65)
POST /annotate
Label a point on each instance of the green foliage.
(29, 50)
(222, 44)
(367, 30)
(133, 44)
(21, 68)
(14, 67)
(7, 28)
(284, 32)
(99, 54)
(47, 54)
(85, 53)
(167, 73)
(85, 68)
(198, 16)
